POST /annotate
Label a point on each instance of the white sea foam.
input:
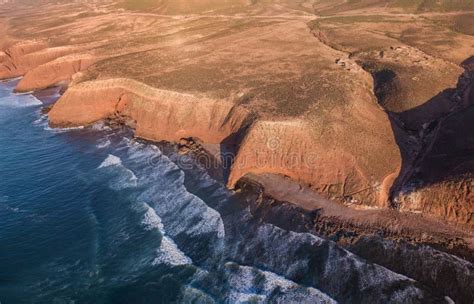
(169, 254)
(100, 126)
(123, 177)
(23, 93)
(165, 189)
(151, 220)
(11, 79)
(194, 295)
(103, 143)
(140, 153)
(41, 121)
(249, 283)
(62, 130)
(19, 101)
(8, 208)
(111, 160)
(195, 217)
(210, 220)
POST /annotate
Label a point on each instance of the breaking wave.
(121, 176)
(111, 160)
(104, 143)
(249, 284)
(61, 130)
(168, 253)
(20, 101)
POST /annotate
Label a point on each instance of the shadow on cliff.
(446, 124)
(219, 163)
(230, 147)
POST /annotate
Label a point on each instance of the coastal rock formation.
(345, 104)
(385, 237)
(157, 115)
(452, 200)
(440, 181)
(10, 58)
(25, 56)
(412, 84)
(443, 183)
(54, 72)
(335, 123)
(288, 148)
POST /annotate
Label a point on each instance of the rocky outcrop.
(451, 199)
(318, 149)
(411, 84)
(157, 115)
(54, 72)
(25, 56)
(441, 179)
(10, 58)
(443, 183)
(289, 147)
(403, 243)
(361, 175)
(359, 171)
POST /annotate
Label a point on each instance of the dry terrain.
(369, 103)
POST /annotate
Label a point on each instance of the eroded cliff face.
(441, 180)
(408, 244)
(452, 200)
(10, 58)
(361, 176)
(290, 148)
(25, 56)
(350, 151)
(54, 72)
(285, 147)
(157, 115)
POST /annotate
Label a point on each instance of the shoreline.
(368, 172)
(328, 144)
(335, 221)
(259, 145)
(302, 196)
(453, 238)
(387, 243)
(284, 202)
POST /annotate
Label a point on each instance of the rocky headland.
(351, 125)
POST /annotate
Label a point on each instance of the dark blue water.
(93, 216)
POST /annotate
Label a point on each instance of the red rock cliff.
(363, 174)
(54, 72)
(156, 114)
(25, 56)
